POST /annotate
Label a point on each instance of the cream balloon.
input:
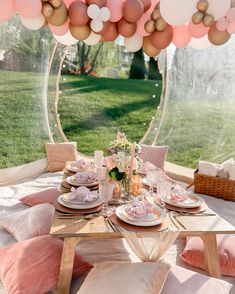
(201, 43)
(92, 39)
(33, 23)
(218, 8)
(93, 11)
(104, 14)
(177, 12)
(97, 25)
(133, 43)
(66, 39)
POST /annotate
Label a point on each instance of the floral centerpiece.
(122, 161)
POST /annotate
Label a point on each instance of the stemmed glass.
(164, 190)
(98, 158)
(151, 178)
(106, 193)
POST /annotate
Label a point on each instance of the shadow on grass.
(110, 114)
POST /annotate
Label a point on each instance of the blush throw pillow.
(29, 223)
(194, 253)
(125, 277)
(183, 281)
(59, 153)
(45, 196)
(32, 266)
(155, 154)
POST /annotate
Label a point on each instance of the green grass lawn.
(92, 110)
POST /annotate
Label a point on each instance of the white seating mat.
(99, 250)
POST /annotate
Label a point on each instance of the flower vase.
(127, 184)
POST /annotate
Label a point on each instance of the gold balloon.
(203, 6)
(160, 24)
(47, 10)
(59, 16)
(155, 14)
(149, 26)
(216, 37)
(149, 49)
(56, 3)
(80, 32)
(208, 20)
(157, 6)
(197, 17)
(232, 3)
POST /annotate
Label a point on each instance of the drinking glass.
(106, 193)
(98, 158)
(102, 174)
(151, 178)
(164, 190)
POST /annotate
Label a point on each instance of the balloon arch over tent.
(199, 84)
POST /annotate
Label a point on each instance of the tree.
(153, 71)
(137, 70)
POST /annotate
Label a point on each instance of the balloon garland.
(149, 24)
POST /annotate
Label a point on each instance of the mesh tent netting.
(196, 117)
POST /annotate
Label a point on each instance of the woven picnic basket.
(214, 186)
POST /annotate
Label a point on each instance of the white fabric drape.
(150, 247)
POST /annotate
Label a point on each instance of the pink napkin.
(139, 209)
(178, 194)
(85, 177)
(81, 164)
(82, 194)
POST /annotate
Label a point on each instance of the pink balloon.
(231, 14)
(231, 28)
(181, 36)
(222, 24)
(29, 8)
(68, 2)
(115, 7)
(197, 30)
(140, 24)
(153, 4)
(59, 30)
(7, 10)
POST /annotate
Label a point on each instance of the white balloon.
(97, 25)
(66, 39)
(177, 12)
(134, 43)
(218, 8)
(104, 14)
(201, 43)
(93, 11)
(33, 23)
(92, 39)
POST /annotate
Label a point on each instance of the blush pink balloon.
(231, 28)
(68, 2)
(7, 10)
(153, 4)
(222, 24)
(59, 30)
(181, 36)
(140, 24)
(231, 14)
(29, 8)
(116, 10)
(197, 30)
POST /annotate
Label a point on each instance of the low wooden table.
(75, 230)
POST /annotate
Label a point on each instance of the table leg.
(211, 255)
(66, 266)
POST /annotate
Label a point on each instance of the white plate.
(86, 205)
(73, 182)
(66, 199)
(136, 222)
(192, 201)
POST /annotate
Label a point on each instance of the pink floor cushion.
(32, 266)
(194, 253)
(183, 281)
(155, 155)
(59, 153)
(45, 196)
(33, 222)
